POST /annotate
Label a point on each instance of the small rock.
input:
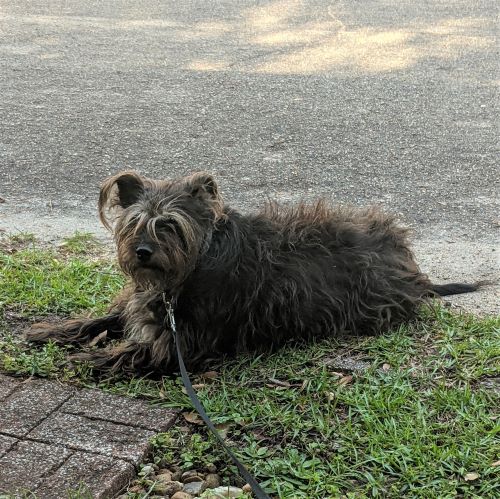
(181, 495)
(211, 468)
(224, 492)
(164, 476)
(194, 478)
(491, 384)
(189, 474)
(146, 470)
(176, 475)
(168, 488)
(347, 364)
(247, 488)
(163, 470)
(195, 488)
(136, 489)
(159, 488)
(213, 480)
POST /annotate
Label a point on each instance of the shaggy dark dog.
(242, 282)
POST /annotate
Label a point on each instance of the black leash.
(259, 493)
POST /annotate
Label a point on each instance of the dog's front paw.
(128, 357)
(72, 331)
(41, 332)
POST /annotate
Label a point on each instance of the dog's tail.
(456, 288)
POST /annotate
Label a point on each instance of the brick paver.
(104, 437)
(55, 438)
(27, 462)
(29, 404)
(5, 444)
(93, 403)
(108, 476)
(7, 386)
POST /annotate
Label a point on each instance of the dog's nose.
(143, 252)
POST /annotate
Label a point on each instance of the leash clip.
(170, 311)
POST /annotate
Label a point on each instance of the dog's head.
(160, 226)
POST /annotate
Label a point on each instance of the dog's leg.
(76, 331)
(134, 357)
(128, 356)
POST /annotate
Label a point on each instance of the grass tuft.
(81, 243)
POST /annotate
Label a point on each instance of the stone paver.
(109, 476)
(93, 403)
(104, 437)
(25, 465)
(6, 444)
(29, 404)
(7, 386)
(55, 438)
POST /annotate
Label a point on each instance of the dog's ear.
(203, 185)
(121, 190)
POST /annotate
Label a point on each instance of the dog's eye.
(167, 225)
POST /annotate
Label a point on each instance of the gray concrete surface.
(363, 102)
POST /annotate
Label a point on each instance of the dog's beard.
(149, 277)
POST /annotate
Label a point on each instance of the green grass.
(22, 238)
(44, 281)
(417, 423)
(81, 243)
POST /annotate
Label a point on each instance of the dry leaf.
(223, 429)
(259, 435)
(345, 380)
(192, 417)
(209, 375)
(386, 367)
(284, 384)
(496, 463)
(469, 477)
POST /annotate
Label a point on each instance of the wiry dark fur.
(242, 283)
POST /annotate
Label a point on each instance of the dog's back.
(300, 272)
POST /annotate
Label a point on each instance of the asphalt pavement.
(385, 102)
